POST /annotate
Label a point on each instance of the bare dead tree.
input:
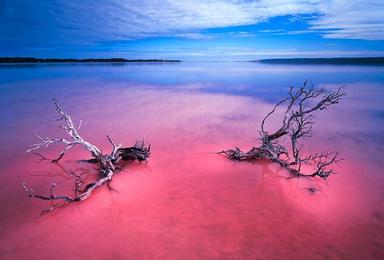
(296, 124)
(108, 164)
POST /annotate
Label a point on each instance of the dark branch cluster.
(297, 123)
(108, 164)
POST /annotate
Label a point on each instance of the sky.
(192, 30)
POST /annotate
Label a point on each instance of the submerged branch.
(297, 123)
(108, 163)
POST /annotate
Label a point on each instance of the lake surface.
(188, 202)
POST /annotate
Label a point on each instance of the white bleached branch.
(108, 163)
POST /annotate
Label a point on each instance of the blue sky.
(192, 29)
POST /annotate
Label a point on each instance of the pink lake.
(188, 202)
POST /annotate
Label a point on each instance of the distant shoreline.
(336, 61)
(58, 60)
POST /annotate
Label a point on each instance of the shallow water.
(188, 202)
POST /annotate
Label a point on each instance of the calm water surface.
(187, 202)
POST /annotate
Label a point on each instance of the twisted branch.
(108, 163)
(297, 123)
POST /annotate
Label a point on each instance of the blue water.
(235, 78)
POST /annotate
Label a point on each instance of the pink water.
(187, 202)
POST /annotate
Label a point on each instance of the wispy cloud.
(351, 19)
(116, 19)
(58, 23)
(244, 53)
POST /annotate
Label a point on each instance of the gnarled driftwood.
(108, 163)
(297, 124)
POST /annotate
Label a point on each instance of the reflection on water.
(189, 202)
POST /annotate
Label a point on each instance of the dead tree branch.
(297, 123)
(108, 163)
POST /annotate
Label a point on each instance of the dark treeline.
(338, 61)
(37, 60)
